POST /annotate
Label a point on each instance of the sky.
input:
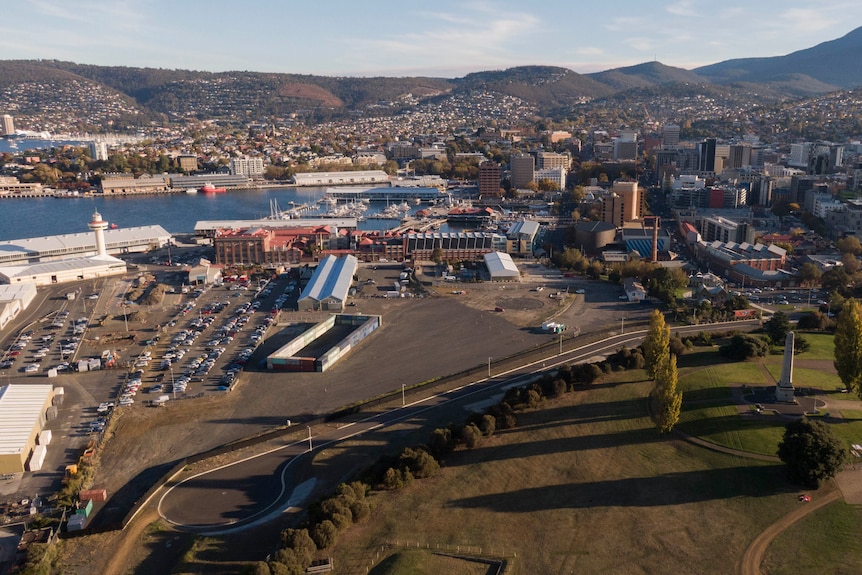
(442, 38)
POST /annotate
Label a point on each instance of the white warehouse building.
(328, 288)
(501, 267)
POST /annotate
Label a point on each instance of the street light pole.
(561, 344)
(622, 324)
(403, 401)
(489, 368)
(125, 318)
(310, 446)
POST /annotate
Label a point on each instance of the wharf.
(422, 225)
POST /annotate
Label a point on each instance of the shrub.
(470, 435)
(324, 534)
(440, 443)
(392, 479)
(488, 424)
(337, 510)
(533, 399)
(677, 347)
(507, 421)
(300, 542)
(418, 462)
(256, 568)
(360, 510)
(289, 562)
(743, 346)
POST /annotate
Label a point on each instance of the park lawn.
(714, 382)
(806, 377)
(585, 484)
(722, 424)
(829, 540)
(850, 429)
(822, 346)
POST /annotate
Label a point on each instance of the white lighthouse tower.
(99, 226)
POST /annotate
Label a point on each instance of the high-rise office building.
(622, 204)
(489, 179)
(246, 166)
(99, 150)
(546, 160)
(670, 136)
(706, 156)
(522, 170)
(7, 125)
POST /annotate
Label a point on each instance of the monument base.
(784, 394)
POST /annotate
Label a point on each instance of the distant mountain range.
(177, 94)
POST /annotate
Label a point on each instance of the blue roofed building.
(328, 288)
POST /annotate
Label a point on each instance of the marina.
(179, 212)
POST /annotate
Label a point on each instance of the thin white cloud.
(475, 33)
(683, 8)
(623, 24)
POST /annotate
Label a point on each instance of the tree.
(668, 399)
(777, 327)
(665, 282)
(810, 274)
(849, 245)
(811, 452)
(743, 346)
(656, 344)
(848, 346)
(437, 255)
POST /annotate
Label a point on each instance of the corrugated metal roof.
(83, 241)
(20, 412)
(68, 264)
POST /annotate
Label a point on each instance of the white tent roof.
(500, 265)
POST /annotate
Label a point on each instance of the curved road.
(247, 492)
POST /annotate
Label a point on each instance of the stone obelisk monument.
(784, 389)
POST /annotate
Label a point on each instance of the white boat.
(191, 190)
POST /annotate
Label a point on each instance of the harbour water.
(16, 145)
(176, 212)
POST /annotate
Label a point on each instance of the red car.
(14, 353)
(804, 498)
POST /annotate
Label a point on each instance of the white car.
(32, 368)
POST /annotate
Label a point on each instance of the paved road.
(250, 491)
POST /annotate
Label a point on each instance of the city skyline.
(446, 39)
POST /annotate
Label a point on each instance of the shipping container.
(38, 458)
(86, 507)
(45, 437)
(76, 522)
(96, 495)
(59, 396)
(83, 365)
